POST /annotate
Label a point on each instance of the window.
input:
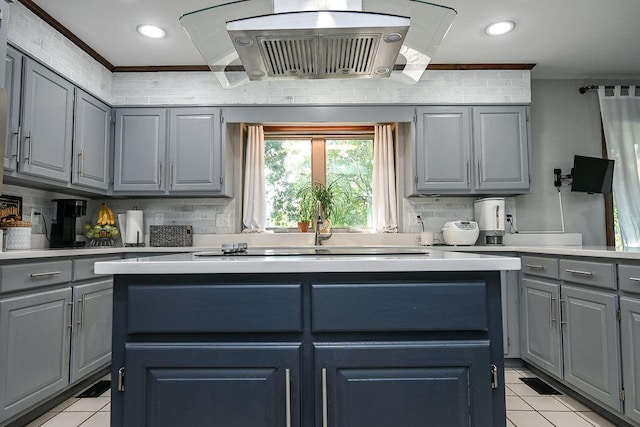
(340, 157)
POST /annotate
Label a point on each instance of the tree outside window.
(347, 167)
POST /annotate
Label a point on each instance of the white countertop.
(188, 263)
(586, 251)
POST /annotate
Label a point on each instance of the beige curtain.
(385, 212)
(254, 202)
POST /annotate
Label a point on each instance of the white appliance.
(460, 233)
(489, 214)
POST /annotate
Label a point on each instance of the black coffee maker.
(63, 227)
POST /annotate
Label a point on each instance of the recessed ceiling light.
(499, 28)
(151, 31)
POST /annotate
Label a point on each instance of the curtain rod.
(584, 89)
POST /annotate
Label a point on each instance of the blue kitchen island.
(304, 340)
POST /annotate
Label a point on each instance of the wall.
(564, 123)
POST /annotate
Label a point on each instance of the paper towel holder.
(139, 236)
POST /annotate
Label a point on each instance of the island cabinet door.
(436, 384)
(239, 385)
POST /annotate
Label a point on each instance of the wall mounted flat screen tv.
(592, 175)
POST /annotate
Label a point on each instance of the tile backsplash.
(435, 211)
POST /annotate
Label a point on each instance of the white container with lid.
(17, 238)
(463, 233)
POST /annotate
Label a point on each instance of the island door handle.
(287, 392)
(634, 279)
(579, 272)
(494, 376)
(325, 408)
(45, 274)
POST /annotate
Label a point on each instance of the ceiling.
(585, 39)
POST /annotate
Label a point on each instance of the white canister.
(1, 240)
(426, 238)
(17, 238)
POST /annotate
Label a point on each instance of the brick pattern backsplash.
(201, 88)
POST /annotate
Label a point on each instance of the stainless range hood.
(323, 44)
(317, 39)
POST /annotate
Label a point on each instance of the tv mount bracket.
(558, 177)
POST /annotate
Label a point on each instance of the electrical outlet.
(415, 219)
(35, 217)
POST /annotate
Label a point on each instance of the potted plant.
(306, 209)
(312, 193)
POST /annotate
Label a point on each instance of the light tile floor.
(525, 408)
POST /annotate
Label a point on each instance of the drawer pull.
(579, 272)
(634, 279)
(45, 274)
(534, 266)
(287, 392)
(325, 414)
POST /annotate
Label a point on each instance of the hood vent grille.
(336, 56)
(289, 57)
(350, 55)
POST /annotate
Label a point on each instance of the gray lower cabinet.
(47, 124)
(591, 344)
(541, 339)
(92, 142)
(630, 334)
(35, 335)
(91, 343)
(480, 150)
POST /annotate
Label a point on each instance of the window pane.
(287, 166)
(350, 167)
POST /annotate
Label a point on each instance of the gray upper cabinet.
(161, 151)
(13, 84)
(443, 149)
(500, 148)
(4, 28)
(47, 124)
(140, 143)
(471, 150)
(195, 150)
(91, 142)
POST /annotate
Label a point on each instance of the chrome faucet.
(319, 221)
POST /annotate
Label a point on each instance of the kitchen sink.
(316, 251)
